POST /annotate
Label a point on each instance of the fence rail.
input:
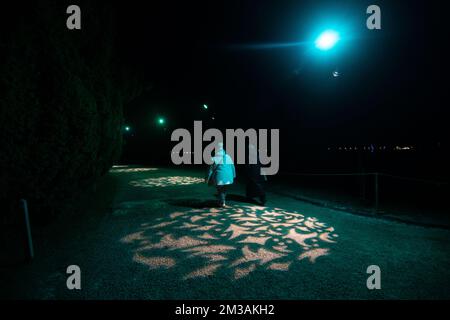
(375, 175)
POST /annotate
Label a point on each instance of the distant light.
(336, 74)
(402, 148)
(205, 106)
(161, 120)
(327, 40)
(127, 128)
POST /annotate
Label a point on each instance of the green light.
(127, 128)
(205, 106)
(161, 120)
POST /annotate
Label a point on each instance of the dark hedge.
(60, 104)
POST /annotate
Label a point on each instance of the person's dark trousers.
(222, 191)
(255, 183)
(255, 189)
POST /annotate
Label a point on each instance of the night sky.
(390, 84)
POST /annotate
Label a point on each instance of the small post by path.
(30, 249)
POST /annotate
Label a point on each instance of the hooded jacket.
(222, 171)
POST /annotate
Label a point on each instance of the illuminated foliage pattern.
(238, 240)
(132, 170)
(166, 182)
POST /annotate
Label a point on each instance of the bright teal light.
(161, 120)
(127, 128)
(205, 106)
(327, 40)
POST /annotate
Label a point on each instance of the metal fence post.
(30, 248)
(376, 191)
(362, 181)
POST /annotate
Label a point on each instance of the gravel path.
(163, 238)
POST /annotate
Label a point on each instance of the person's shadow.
(239, 198)
(200, 204)
(193, 203)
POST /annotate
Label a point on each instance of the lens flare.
(327, 40)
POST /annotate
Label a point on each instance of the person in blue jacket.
(221, 173)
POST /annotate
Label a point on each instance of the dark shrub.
(60, 104)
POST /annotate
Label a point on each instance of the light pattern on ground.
(166, 182)
(237, 240)
(126, 170)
